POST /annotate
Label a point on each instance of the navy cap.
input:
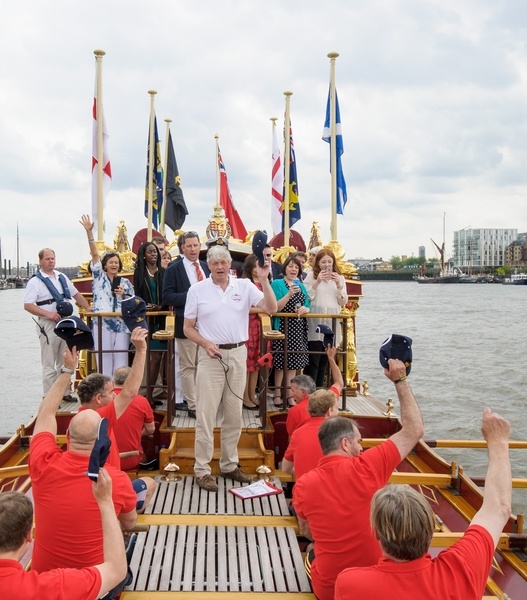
(75, 332)
(64, 308)
(259, 243)
(329, 335)
(397, 346)
(100, 450)
(134, 312)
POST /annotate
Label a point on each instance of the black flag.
(176, 209)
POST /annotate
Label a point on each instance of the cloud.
(432, 98)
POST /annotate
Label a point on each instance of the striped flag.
(237, 227)
(342, 196)
(107, 169)
(277, 178)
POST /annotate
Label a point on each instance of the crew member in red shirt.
(137, 421)
(68, 527)
(16, 528)
(332, 502)
(403, 522)
(302, 386)
(96, 391)
(304, 451)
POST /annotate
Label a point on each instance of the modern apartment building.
(476, 249)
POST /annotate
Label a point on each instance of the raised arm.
(133, 381)
(336, 375)
(496, 507)
(86, 222)
(411, 418)
(268, 303)
(46, 419)
(113, 569)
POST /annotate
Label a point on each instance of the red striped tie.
(198, 271)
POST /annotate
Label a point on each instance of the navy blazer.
(175, 287)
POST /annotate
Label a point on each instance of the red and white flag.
(107, 169)
(237, 227)
(277, 185)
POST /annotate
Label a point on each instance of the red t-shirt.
(460, 571)
(335, 499)
(297, 415)
(68, 530)
(108, 411)
(304, 449)
(59, 584)
(128, 427)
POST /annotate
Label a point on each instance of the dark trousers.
(318, 363)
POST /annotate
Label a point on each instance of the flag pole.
(333, 146)
(273, 134)
(100, 147)
(165, 171)
(152, 153)
(287, 166)
(216, 137)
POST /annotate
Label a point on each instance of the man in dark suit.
(179, 276)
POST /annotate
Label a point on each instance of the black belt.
(43, 302)
(230, 346)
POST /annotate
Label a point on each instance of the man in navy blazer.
(179, 276)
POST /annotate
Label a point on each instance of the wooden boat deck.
(199, 541)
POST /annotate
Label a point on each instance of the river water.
(469, 351)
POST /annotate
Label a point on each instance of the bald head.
(83, 431)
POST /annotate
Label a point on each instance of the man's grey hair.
(304, 382)
(218, 253)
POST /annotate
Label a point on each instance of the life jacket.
(57, 296)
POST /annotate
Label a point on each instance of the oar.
(470, 444)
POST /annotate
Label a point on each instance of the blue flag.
(157, 178)
(294, 202)
(342, 196)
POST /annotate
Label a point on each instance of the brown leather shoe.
(238, 475)
(207, 483)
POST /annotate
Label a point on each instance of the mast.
(17, 252)
(165, 173)
(152, 151)
(333, 145)
(100, 146)
(287, 166)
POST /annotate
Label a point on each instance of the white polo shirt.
(37, 291)
(222, 316)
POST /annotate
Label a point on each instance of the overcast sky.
(433, 101)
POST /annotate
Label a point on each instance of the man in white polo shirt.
(220, 306)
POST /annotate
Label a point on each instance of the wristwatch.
(64, 369)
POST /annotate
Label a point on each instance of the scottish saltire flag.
(277, 186)
(107, 168)
(175, 209)
(237, 227)
(157, 178)
(294, 202)
(342, 196)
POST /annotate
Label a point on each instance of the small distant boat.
(516, 279)
(445, 276)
